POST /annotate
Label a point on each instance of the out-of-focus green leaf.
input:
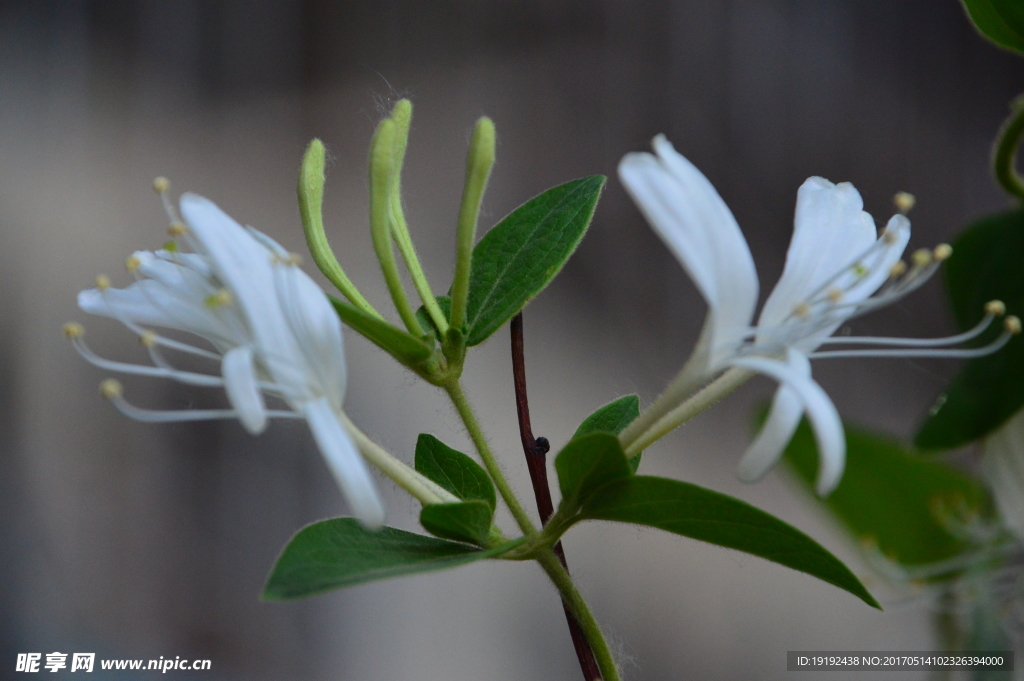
(1001, 21)
(987, 263)
(613, 418)
(692, 511)
(523, 253)
(468, 521)
(336, 553)
(905, 504)
(453, 470)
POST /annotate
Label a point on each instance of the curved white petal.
(830, 230)
(149, 303)
(244, 266)
(1004, 469)
(316, 327)
(766, 449)
(891, 246)
(825, 421)
(243, 389)
(684, 209)
(345, 462)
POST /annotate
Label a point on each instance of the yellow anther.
(803, 310)
(904, 202)
(110, 389)
(148, 338)
(220, 298)
(161, 185)
(942, 251)
(897, 269)
(860, 269)
(171, 246)
(132, 263)
(293, 259)
(921, 257)
(995, 308)
(177, 229)
(889, 236)
(102, 282)
(1012, 324)
(73, 330)
(834, 295)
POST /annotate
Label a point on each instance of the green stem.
(713, 392)
(458, 397)
(1004, 151)
(563, 582)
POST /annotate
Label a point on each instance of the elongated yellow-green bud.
(478, 170)
(311, 199)
(382, 172)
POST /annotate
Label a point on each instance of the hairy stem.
(458, 397)
(575, 604)
(534, 450)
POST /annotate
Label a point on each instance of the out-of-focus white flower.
(270, 327)
(1004, 470)
(837, 267)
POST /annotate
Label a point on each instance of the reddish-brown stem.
(535, 450)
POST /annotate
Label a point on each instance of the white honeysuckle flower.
(271, 328)
(837, 267)
(1003, 464)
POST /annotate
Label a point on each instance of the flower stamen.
(112, 391)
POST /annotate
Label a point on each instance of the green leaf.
(587, 464)
(468, 521)
(613, 418)
(987, 263)
(1001, 21)
(425, 320)
(453, 470)
(405, 347)
(523, 253)
(692, 511)
(335, 553)
(889, 497)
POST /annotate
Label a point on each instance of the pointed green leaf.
(336, 553)
(523, 253)
(902, 503)
(1001, 21)
(453, 470)
(443, 302)
(468, 521)
(405, 347)
(987, 263)
(587, 464)
(613, 418)
(692, 511)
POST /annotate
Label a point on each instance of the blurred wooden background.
(133, 540)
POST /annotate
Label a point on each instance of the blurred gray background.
(134, 540)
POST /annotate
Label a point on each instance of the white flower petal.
(345, 463)
(149, 303)
(825, 421)
(316, 327)
(830, 230)
(690, 217)
(777, 431)
(243, 389)
(244, 266)
(1004, 470)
